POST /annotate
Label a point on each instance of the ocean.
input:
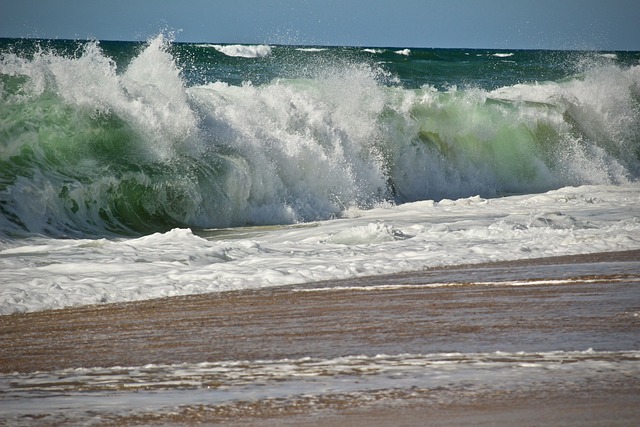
(134, 171)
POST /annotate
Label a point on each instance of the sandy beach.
(577, 303)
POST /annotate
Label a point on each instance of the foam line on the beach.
(169, 376)
(115, 392)
(539, 282)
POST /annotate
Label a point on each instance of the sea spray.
(92, 145)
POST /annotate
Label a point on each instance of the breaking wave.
(90, 149)
(243, 51)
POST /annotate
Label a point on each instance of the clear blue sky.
(547, 24)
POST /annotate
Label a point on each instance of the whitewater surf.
(119, 161)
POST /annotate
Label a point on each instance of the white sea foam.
(374, 288)
(41, 273)
(85, 395)
(405, 52)
(609, 55)
(244, 51)
(502, 55)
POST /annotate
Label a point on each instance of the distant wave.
(609, 56)
(405, 52)
(373, 50)
(310, 49)
(243, 51)
(502, 55)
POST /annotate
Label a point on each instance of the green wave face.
(65, 167)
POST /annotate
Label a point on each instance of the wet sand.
(596, 305)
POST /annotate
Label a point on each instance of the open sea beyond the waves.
(132, 171)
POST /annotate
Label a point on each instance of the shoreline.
(156, 326)
(566, 304)
(540, 407)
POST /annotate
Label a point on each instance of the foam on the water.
(93, 150)
(76, 396)
(243, 51)
(41, 273)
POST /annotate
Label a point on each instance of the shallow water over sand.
(559, 327)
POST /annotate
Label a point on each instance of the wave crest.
(243, 51)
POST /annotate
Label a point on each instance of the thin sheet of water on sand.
(505, 333)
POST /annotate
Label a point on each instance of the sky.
(505, 24)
